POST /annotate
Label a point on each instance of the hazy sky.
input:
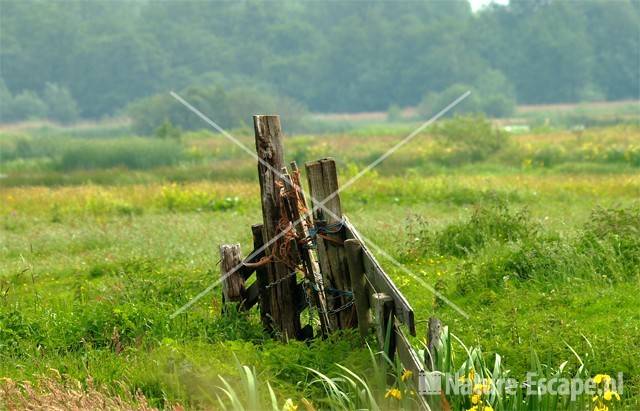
(477, 4)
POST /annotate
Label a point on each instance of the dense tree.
(331, 56)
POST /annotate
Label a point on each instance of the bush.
(60, 104)
(229, 109)
(611, 238)
(494, 223)
(467, 139)
(133, 153)
(491, 94)
(26, 106)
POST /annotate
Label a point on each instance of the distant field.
(535, 235)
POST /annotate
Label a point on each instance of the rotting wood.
(380, 281)
(323, 184)
(281, 278)
(358, 285)
(232, 281)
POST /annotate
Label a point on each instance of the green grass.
(91, 272)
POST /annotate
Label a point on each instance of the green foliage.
(26, 106)
(61, 105)
(56, 104)
(493, 96)
(167, 130)
(229, 109)
(331, 57)
(486, 224)
(394, 113)
(132, 153)
(466, 140)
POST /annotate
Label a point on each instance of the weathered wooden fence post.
(232, 282)
(281, 278)
(358, 284)
(323, 184)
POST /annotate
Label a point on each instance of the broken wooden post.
(232, 281)
(323, 186)
(384, 310)
(281, 278)
(358, 285)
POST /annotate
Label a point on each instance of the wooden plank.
(358, 285)
(269, 147)
(232, 281)
(381, 282)
(323, 183)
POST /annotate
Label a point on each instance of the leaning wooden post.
(232, 281)
(358, 285)
(282, 281)
(327, 214)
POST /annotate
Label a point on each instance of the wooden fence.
(315, 261)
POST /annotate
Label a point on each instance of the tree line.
(98, 57)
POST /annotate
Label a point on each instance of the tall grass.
(132, 153)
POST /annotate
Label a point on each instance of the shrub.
(491, 94)
(26, 106)
(60, 104)
(611, 239)
(467, 139)
(494, 223)
(133, 153)
(228, 108)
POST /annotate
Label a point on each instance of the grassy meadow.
(104, 235)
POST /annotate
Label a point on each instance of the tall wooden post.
(323, 183)
(282, 284)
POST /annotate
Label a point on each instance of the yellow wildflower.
(474, 408)
(487, 408)
(608, 395)
(472, 374)
(601, 378)
(603, 408)
(595, 398)
(475, 398)
(393, 393)
(462, 378)
(406, 374)
(289, 405)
